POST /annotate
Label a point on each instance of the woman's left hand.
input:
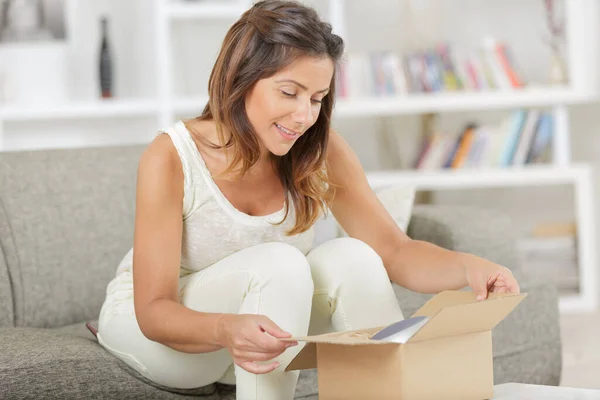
(485, 277)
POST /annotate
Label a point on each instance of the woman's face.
(282, 107)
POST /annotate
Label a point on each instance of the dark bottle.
(106, 72)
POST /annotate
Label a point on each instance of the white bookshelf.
(80, 109)
(459, 101)
(166, 106)
(354, 108)
(434, 102)
(465, 178)
(577, 175)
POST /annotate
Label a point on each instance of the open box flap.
(445, 299)
(360, 336)
(307, 357)
(464, 316)
(455, 313)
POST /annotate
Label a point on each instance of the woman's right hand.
(253, 338)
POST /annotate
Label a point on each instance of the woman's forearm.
(426, 268)
(172, 324)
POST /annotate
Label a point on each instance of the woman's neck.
(207, 134)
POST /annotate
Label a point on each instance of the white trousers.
(340, 285)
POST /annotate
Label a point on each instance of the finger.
(500, 283)
(255, 368)
(510, 284)
(499, 289)
(481, 290)
(272, 329)
(289, 343)
(268, 344)
(261, 342)
(480, 287)
(492, 279)
(489, 285)
(513, 286)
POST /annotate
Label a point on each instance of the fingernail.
(479, 297)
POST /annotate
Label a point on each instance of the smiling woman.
(274, 93)
(222, 265)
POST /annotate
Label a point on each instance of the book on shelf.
(524, 137)
(437, 69)
(554, 229)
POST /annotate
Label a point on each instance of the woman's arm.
(156, 258)
(416, 265)
(157, 253)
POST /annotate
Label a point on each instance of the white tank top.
(212, 227)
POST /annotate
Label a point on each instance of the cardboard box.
(448, 357)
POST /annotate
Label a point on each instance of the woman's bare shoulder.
(160, 157)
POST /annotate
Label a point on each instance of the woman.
(221, 265)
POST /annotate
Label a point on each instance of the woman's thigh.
(121, 336)
(266, 270)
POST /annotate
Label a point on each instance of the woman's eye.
(293, 95)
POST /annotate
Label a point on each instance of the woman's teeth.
(286, 131)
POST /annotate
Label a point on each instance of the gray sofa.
(66, 219)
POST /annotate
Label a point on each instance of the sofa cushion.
(50, 364)
(70, 215)
(6, 299)
(67, 362)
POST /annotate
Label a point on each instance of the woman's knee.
(346, 253)
(347, 262)
(280, 262)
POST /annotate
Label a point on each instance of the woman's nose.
(304, 113)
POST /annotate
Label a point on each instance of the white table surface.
(519, 391)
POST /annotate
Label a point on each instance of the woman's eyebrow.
(299, 84)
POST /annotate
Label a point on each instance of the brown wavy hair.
(268, 37)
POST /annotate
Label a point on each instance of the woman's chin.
(280, 151)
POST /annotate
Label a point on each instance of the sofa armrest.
(484, 233)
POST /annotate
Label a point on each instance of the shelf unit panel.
(434, 102)
(529, 175)
(80, 109)
(457, 101)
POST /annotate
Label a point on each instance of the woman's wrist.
(464, 260)
(221, 329)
